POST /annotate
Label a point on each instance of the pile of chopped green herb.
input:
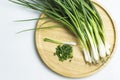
(64, 52)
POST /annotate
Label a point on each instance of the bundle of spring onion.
(81, 18)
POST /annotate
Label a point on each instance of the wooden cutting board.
(77, 67)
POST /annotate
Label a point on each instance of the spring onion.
(58, 42)
(81, 18)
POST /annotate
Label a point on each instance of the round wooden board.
(77, 67)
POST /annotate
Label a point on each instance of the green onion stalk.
(59, 42)
(81, 18)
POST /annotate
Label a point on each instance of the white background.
(18, 56)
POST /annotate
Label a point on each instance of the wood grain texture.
(77, 68)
